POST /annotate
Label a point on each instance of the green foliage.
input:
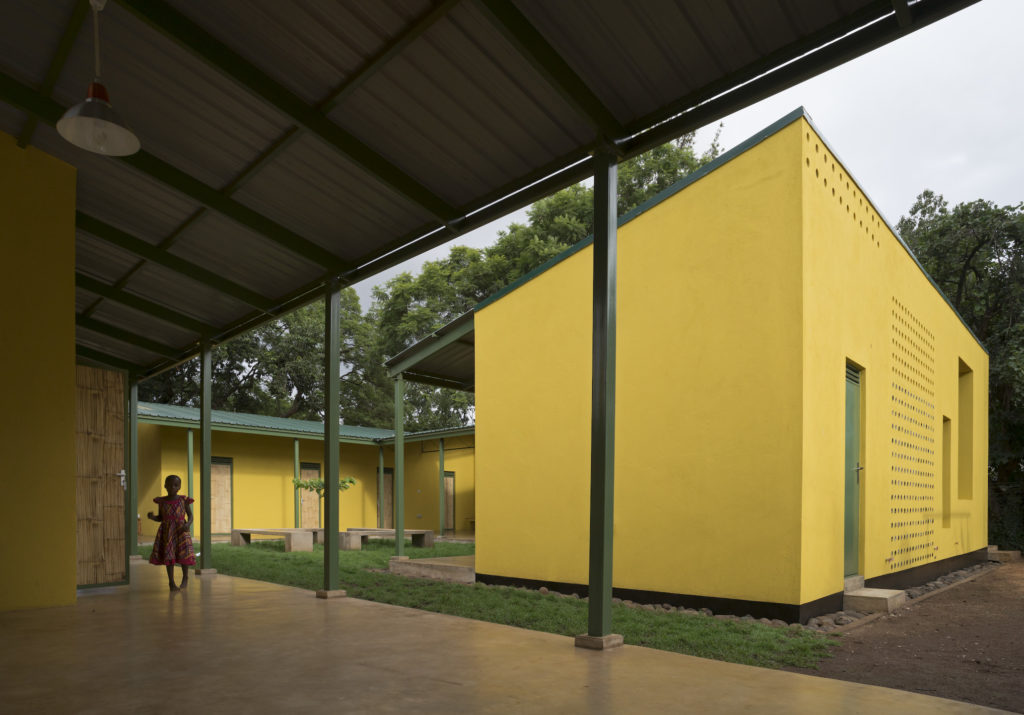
(319, 485)
(363, 574)
(975, 253)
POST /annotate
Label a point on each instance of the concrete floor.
(235, 645)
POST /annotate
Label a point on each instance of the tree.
(409, 307)
(975, 253)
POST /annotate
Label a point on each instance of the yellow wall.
(37, 292)
(708, 353)
(741, 298)
(263, 467)
(422, 500)
(866, 301)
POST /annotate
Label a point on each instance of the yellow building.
(255, 459)
(796, 401)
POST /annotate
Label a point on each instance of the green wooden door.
(851, 550)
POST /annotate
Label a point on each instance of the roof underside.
(286, 145)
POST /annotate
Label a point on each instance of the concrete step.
(459, 569)
(853, 583)
(874, 600)
(1001, 555)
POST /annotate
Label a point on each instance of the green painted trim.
(125, 336)
(399, 489)
(332, 415)
(296, 475)
(142, 305)
(60, 58)
(205, 447)
(129, 509)
(132, 244)
(380, 484)
(532, 45)
(106, 361)
(431, 435)
(191, 452)
(174, 422)
(602, 431)
(440, 485)
(200, 43)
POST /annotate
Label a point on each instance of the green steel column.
(205, 447)
(298, 498)
(399, 465)
(602, 424)
(133, 465)
(440, 483)
(332, 385)
(191, 462)
(380, 484)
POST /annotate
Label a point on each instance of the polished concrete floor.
(235, 645)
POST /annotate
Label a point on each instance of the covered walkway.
(234, 645)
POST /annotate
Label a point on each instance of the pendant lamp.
(93, 124)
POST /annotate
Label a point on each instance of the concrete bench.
(423, 538)
(294, 539)
(355, 537)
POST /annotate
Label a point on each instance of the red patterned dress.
(173, 543)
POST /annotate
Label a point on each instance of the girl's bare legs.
(170, 577)
(184, 575)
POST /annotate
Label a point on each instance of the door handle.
(124, 484)
(858, 470)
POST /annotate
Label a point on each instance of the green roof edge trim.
(700, 173)
(303, 429)
(894, 233)
(650, 203)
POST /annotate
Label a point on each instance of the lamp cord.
(97, 5)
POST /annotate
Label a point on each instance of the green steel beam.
(530, 43)
(28, 100)
(142, 305)
(60, 57)
(196, 40)
(101, 358)
(205, 456)
(297, 472)
(602, 423)
(155, 254)
(440, 484)
(332, 420)
(191, 451)
(125, 336)
(399, 490)
(133, 462)
(437, 381)
(380, 483)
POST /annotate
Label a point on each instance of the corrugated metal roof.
(156, 413)
(289, 144)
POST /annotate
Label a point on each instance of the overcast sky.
(941, 109)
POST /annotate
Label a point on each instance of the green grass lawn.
(361, 574)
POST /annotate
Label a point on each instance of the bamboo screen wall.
(99, 455)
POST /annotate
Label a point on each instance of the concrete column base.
(337, 593)
(605, 642)
(205, 572)
(399, 558)
(135, 557)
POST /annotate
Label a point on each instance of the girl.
(173, 542)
